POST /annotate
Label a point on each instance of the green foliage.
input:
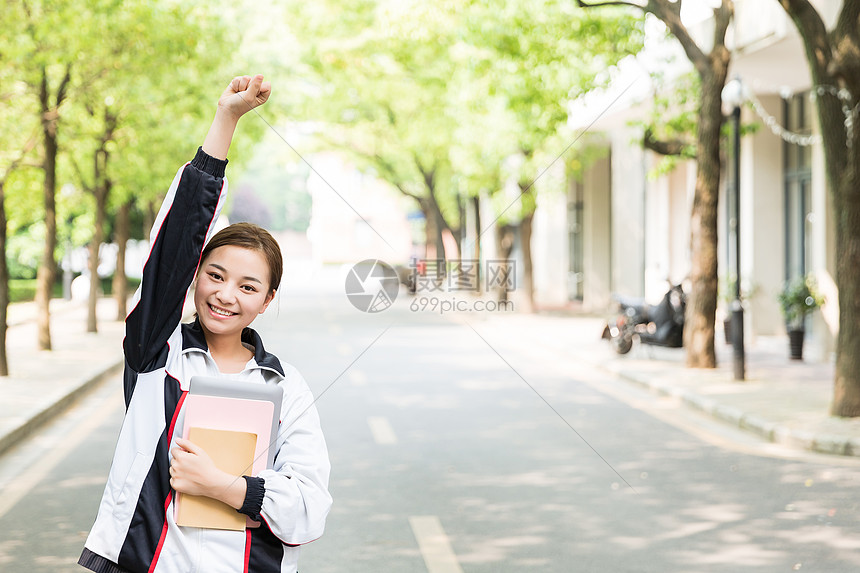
(673, 118)
(156, 66)
(24, 290)
(23, 250)
(447, 92)
(798, 298)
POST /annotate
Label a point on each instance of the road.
(457, 447)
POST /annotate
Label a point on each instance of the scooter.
(658, 325)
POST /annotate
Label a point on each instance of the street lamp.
(733, 96)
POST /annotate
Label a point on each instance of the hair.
(255, 238)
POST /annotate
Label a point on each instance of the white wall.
(597, 232)
(338, 234)
(628, 203)
(762, 223)
(549, 240)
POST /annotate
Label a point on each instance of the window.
(797, 175)
(575, 241)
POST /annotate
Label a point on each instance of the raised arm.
(242, 95)
(184, 224)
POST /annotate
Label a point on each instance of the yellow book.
(232, 452)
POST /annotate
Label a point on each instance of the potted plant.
(798, 298)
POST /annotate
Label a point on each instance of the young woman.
(237, 274)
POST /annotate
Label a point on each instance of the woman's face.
(232, 289)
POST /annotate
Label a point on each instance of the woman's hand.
(192, 471)
(244, 94)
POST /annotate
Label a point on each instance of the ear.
(269, 299)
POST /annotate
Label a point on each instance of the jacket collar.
(193, 339)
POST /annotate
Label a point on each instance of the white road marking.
(21, 485)
(382, 431)
(434, 544)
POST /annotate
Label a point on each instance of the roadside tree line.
(97, 99)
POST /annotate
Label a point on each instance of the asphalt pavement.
(480, 442)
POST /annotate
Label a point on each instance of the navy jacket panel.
(176, 243)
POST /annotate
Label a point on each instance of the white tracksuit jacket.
(135, 530)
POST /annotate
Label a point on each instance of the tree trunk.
(120, 281)
(834, 62)
(46, 273)
(505, 237)
(430, 231)
(702, 302)
(846, 390)
(528, 276)
(4, 285)
(95, 244)
(101, 191)
(712, 68)
(47, 266)
(435, 225)
(528, 203)
(439, 226)
(461, 227)
(842, 155)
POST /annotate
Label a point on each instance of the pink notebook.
(236, 414)
(232, 414)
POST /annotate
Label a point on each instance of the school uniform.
(135, 529)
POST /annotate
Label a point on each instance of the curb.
(13, 437)
(771, 431)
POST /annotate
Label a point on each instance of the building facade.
(626, 229)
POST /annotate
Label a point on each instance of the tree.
(100, 190)
(45, 65)
(534, 57)
(19, 142)
(834, 62)
(100, 70)
(437, 99)
(4, 268)
(379, 77)
(712, 68)
(128, 77)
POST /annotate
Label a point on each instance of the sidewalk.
(784, 401)
(42, 384)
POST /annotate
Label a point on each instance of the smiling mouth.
(221, 311)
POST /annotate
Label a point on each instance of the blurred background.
(541, 153)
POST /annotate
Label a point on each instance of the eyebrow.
(246, 278)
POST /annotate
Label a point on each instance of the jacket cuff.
(205, 162)
(256, 490)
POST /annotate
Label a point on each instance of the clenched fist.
(244, 94)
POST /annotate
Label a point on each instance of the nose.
(227, 293)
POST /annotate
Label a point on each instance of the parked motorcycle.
(659, 325)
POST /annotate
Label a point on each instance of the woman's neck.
(228, 352)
